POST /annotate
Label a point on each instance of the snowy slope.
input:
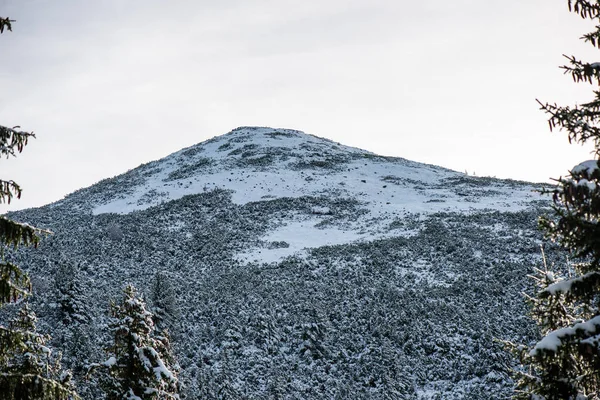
(265, 163)
(257, 164)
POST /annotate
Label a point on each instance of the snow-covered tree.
(565, 363)
(28, 369)
(70, 295)
(140, 364)
(164, 302)
(25, 368)
(312, 341)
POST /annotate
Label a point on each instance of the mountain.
(300, 268)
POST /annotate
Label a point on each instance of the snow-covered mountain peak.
(259, 163)
(253, 142)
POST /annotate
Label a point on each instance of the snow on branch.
(555, 339)
(579, 284)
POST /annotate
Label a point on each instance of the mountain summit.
(265, 163)
(255, 164)
(299, 268)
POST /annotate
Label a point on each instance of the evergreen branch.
(11, 139)
(33, 386)
(8, 190)
(579, 122)
(14, 283)
(5, 23)
(13, 233)
(584, 8)
(593, 37)
(12, 341)
(581, 71)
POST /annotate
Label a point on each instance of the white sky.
(110, 84)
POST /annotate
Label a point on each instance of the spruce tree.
(70, 295)
(140, 364)
(164, 303)
(565, 363)
(29, 369)
(26, 371)
(312, 341)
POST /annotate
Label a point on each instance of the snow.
(564, 286)
(110, 362)
(587, 167)
(553, 340)
(300, 235)
(132, 396)
(590, 185)
(321, 210)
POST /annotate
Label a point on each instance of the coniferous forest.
(271, 264)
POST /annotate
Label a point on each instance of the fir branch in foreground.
(12, 140)
(6, 23)
(8, 190)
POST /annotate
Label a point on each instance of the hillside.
(302, 268)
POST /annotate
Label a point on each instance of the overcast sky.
(109, 84)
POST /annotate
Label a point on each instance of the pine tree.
(164, 303)
(25, 368)
(29, 370)
(313, 336)
(70, 295)
(140, 364)
(565, 363)
(312, 341)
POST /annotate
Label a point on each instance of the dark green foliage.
(565, 363)
(13, 283)
(13, 141)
